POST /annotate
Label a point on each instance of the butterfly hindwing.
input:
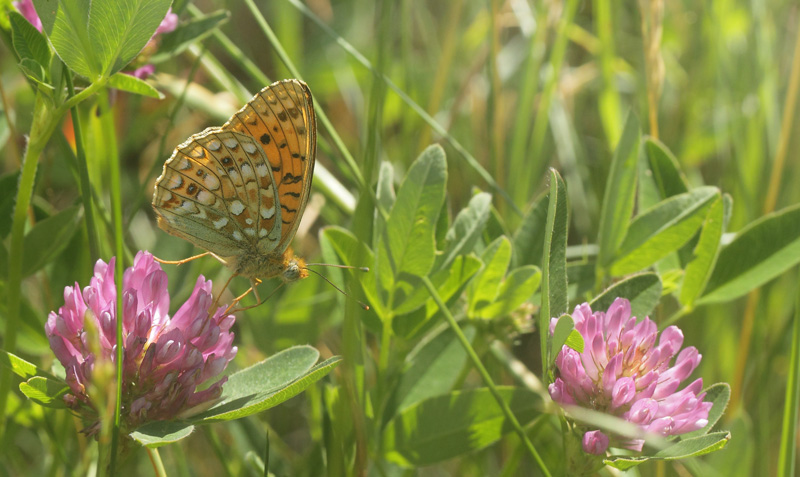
(210, 193)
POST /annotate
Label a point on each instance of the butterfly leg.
(253, 282)
(219, 295)
(258, 303)
(180, 262)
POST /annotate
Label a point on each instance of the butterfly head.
(294, 268)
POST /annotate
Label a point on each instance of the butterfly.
(239, 191)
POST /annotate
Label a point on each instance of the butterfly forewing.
(217, 191)
(281, 118)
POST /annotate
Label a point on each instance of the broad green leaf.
(44, 391)
(698, 270)
(575, 341)
(619, 194)
(642, 290)
(520, 284)
(268, 383)
(19, 366)
(432, 368)
(35, 72)
(132, 84)
(160, 433)
(466, 230)
(483, 289)
(385, 188)
(554, 261)
(99, 37)
(449, 282)
(564, 326)
(760, 252)
(175, 42)
(666, 173)
(119, 30)
(407, 245)
(348, 247)
(683, 449)
(48, 238)
(454, 424)
(528, 240)
(719, 394)
(580, 281)
(662, 229)
(27, 40)
(65, 22)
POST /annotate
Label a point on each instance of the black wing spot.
(275, 168)
(295, 155)
(290, 178)
(283, 145)
(265, 138)
(191, 189)
(275, 128)
(303, 157)
(253, 121)
(293, 112)
(293, 194)
(301, 130)
(282, 116)
(226, 161)
(287, 209)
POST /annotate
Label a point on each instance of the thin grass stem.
(476, 361)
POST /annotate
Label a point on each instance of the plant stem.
(44, 123)
(787, 456)
(158, 465)
(484, 374)
(109, 133)
(83, 171)
(45, 120)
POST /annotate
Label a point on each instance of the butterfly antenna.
(346, 267)
(363, 305)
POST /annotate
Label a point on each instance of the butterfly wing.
(281, 118)
(217, 191)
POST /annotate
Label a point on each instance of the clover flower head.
(623, 372)
(165, 358)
